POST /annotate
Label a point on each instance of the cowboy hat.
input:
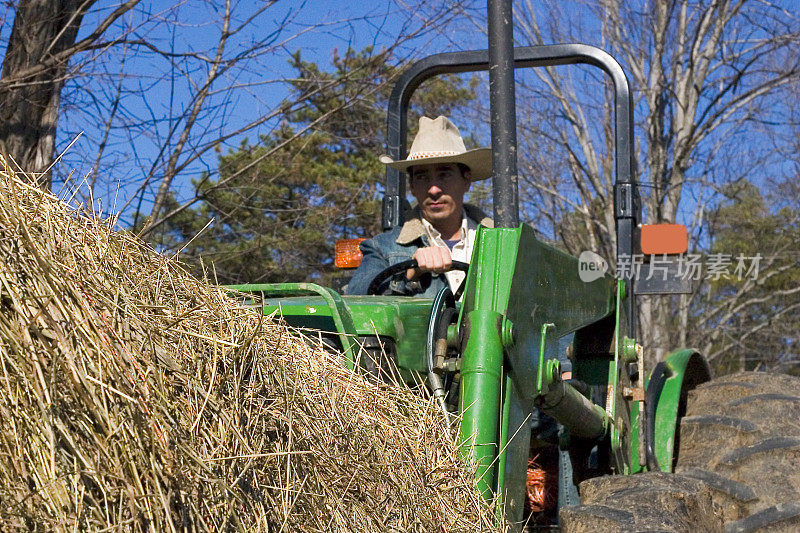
(439, 141)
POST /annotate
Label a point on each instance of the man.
(440, 228)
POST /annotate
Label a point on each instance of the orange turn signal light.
(660, 239)
(346, 253)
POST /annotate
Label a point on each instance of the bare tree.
(703, 72)
(157, 109)
(754, 322)
(41, 45)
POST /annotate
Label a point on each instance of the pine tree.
(751, 321)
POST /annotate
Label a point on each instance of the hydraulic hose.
(436, 324)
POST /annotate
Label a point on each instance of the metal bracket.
(625, 204)
(546, 369)
(661, 276)
(391, 212)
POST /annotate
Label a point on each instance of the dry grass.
(136, 397)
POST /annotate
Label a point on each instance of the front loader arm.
(515, 286)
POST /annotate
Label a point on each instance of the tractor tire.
(741, 437)
(378, 360)
(654, 501)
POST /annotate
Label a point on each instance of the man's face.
(439, 190)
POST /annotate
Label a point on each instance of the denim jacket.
(397, 245)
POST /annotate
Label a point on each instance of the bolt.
(507, 332)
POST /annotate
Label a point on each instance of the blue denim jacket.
(397, 245)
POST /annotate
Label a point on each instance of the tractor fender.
(680, 372)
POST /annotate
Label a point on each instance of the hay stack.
(136, 397)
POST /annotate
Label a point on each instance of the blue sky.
(149, 94)
(150, 91)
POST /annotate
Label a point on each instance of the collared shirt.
(461, 251)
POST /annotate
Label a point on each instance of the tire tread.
(754, 470)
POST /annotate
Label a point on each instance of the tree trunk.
(29, 102)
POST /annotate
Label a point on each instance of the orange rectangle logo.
(660, 239)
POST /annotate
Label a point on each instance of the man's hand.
(434, 259)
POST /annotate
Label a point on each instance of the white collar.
(435, 235)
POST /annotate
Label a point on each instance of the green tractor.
(495, 359)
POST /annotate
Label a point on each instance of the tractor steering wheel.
(401, 267)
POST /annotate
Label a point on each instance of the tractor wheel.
(741, 436)
(654, 501)
(378, 360)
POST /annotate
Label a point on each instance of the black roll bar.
(503, 111)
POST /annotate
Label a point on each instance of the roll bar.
(627, 207)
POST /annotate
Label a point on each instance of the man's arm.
(372, 263)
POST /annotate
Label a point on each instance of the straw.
(135, 397)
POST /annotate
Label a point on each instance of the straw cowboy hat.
(438, 141)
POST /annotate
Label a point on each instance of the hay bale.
(136, 397)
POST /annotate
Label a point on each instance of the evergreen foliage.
(760, 330)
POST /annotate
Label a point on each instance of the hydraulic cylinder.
(575, 411)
